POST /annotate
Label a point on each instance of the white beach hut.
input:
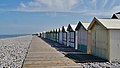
(48, 35)
(71, 35)
(64, 35)
(54, 34)
(57, 35)
(43, 35)
(82, 37)
(60, 35)
(51, 35)
(105, 38)
(38, 34)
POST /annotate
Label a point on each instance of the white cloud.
(48, 5)
(22, 5)
(85, 7)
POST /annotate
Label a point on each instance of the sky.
(31, 16)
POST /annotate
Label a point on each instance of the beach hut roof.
(49, 30)
(71, 27)
(57, 30)
(64, 29)
(52, 30)
(107, 23)
(116, 16)
(84, 24)
(60, 29)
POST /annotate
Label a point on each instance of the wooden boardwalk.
(42, 55)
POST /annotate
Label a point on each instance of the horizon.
(32, 16)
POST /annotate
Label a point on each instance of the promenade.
(42, 55)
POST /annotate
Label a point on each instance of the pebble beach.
(13, 51)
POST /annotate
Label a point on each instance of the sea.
(13, 35)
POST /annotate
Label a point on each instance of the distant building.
(105, 38)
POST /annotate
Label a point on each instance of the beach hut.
(71, 35)
(82, 37)
(105, 38)
(43, 34)
(48, 35)
(51, 34)
(54, 34)
(116, 16)
(57, 35)
(60, 36)
(38, 34)
(64, 35)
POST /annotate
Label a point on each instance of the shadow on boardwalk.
(75, 55)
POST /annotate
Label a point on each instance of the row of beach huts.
(101, 37)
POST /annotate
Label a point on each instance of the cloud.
(48, 5)
(104, 3)
(22, 5)
(84, 7)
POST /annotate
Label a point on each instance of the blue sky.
(31, 16)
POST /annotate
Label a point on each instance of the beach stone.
(13, 51)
